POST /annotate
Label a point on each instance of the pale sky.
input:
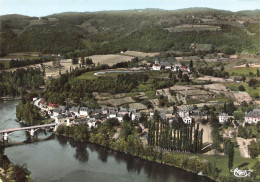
(47, 7)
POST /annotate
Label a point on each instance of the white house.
(91, 123)
(75, 111)
(37, 102)
(176, 67)
(223, 118)
(120, 117)
(184, 112)
(83, 111)
(253, 117)
(111, 115)
(187, 120)
(156, 67)
(166, 65)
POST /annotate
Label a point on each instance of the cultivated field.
(116, 102)
(140, 54)
(211, 78)
(182, 28)
(242, 96)
(110, 59)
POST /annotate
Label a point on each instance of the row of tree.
(176, 136)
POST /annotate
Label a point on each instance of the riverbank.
(187, 162)
(194, 163)
(11, 172)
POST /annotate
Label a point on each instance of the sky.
(47, 7)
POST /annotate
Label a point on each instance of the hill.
(104, 32)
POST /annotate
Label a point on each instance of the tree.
(225, 107)
(241, 88)
(229, 50)
(256, 168)
(252, 82)
(243, 78)
(254, 149)
(89, 61)
(170, 75)
(257, 73)
(180, 74)
(191, 64)
(186, 78)
(74, 60)
(229, 150)
(82, 60)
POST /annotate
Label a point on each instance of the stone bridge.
(30, 129)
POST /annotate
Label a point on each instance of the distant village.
(84, 115)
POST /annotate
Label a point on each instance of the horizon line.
(116, 10)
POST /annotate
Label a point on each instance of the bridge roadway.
(27, 128)
(30, 129)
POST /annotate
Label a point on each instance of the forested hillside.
(142, 30)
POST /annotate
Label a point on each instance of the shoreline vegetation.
(130, 144)
(10, 171)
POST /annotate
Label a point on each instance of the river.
(59, 159)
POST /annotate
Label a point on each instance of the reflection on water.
(59, 159)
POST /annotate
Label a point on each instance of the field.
(88, 76)
(110, 59)
(141, 54)
(222, 162)
(6, 64)
(253, 92)
(242, 71)
(183, 28)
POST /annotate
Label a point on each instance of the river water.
(58, 159)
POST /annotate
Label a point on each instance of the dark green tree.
(229, 150)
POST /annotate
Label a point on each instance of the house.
(252, 117)
(223, 118)
(184, 112)
(56, 112)
(176, 67)
(156, 67)
(104, 111)
(179, 58)
(187, 120)
(91, 123)
(151, 114)
(74, 111)
(185, 69)
(123, 111)
(234, 56)
(112, 114)
(120, 117)
(84, 111)
(52, 106)
(37, 103)
(166, 65)
(43, 104)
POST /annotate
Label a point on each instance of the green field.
(250, 90)
(88, 76)
(6, 64)
(222, 162)
(242, 71)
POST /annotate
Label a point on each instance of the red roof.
(183, 67)
(53, 105)
(42, 101)
(156, 65)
